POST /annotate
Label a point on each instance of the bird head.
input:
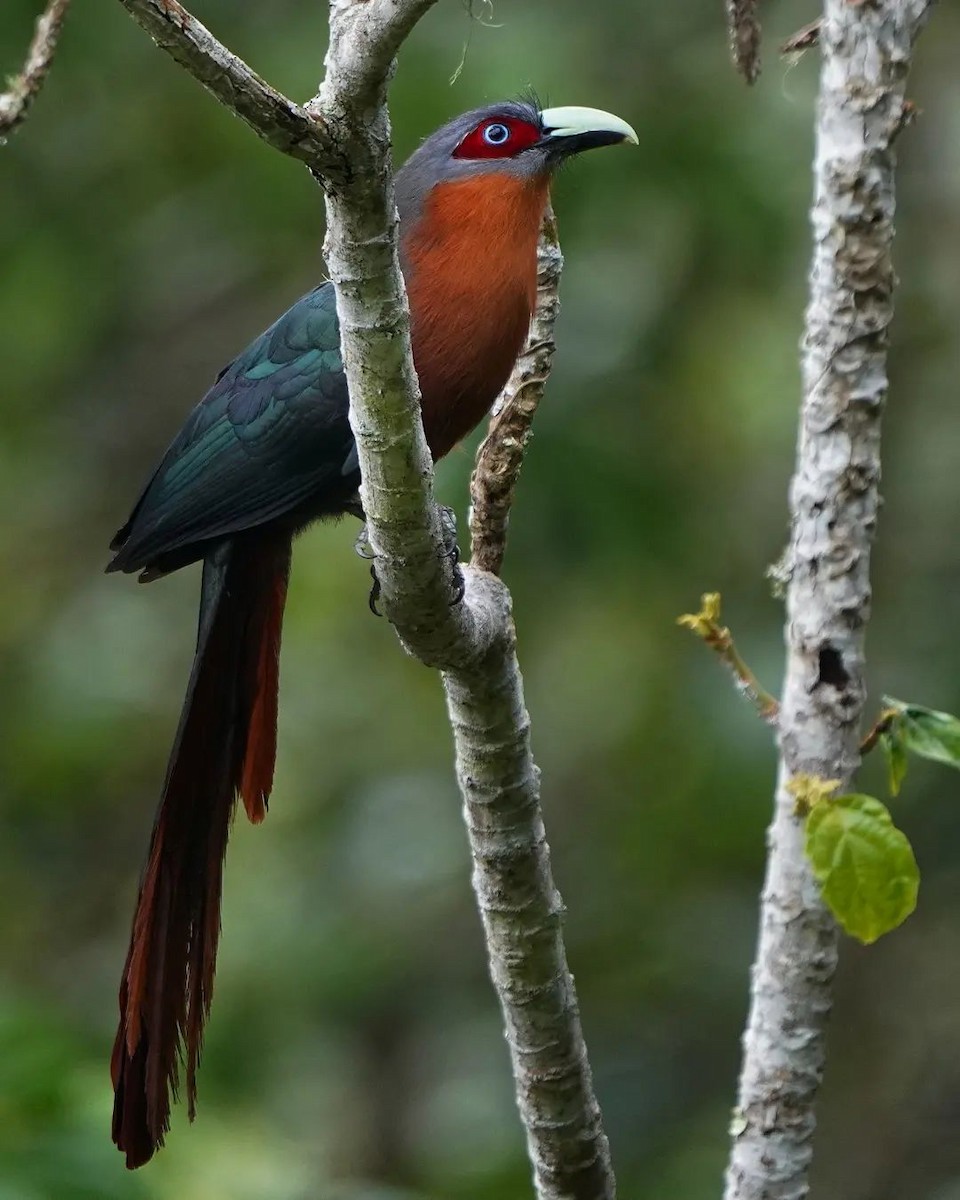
(471, 201)
(516, 139)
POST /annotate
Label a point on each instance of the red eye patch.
(498, 137)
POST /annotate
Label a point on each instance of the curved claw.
(362, 547)
(459, 583)
(451, 553)
(374, 592)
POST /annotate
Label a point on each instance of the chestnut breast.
(470, 264)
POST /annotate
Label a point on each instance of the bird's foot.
(364, 550)
(451, 552)
(459, 583)
(448, 529)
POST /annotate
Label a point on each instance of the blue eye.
(496, 134)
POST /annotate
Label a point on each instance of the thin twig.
(500, 456)
(706, 625)
(23, 89)
(743, 26)
(804, 39)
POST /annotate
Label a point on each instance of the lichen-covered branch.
(522, 918)
(365, 36)
(22, 89)
(403, 524)
(500, 783)
(280, 122)
(474, 643)
(500, 456)
(343, 134)
(834, 500)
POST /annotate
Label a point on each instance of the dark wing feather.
(270, 438)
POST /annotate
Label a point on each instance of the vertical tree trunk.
(867, 49)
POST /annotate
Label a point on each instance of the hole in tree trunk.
(832, 670)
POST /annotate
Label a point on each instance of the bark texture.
(743, 26)
(522, 920)
(500, 456)
(280, 122)
(23, 89)
(519, 904)
(403, 524)
(343, 135)
(867, 49)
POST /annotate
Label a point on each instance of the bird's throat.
(471, 271)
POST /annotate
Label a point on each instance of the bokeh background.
(355, 1051)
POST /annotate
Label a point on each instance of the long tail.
(225, 746)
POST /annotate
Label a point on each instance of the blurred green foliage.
(355, 1051)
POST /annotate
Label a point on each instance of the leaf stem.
(706, 625)
(878, 729)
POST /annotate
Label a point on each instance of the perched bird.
(265, 452)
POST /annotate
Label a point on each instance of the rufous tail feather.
(225, 747)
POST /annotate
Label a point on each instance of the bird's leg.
(363, 548)
(448, 529)
(355, 508)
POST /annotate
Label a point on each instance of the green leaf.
(931, 734)
(895, 752)
(864, 865)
